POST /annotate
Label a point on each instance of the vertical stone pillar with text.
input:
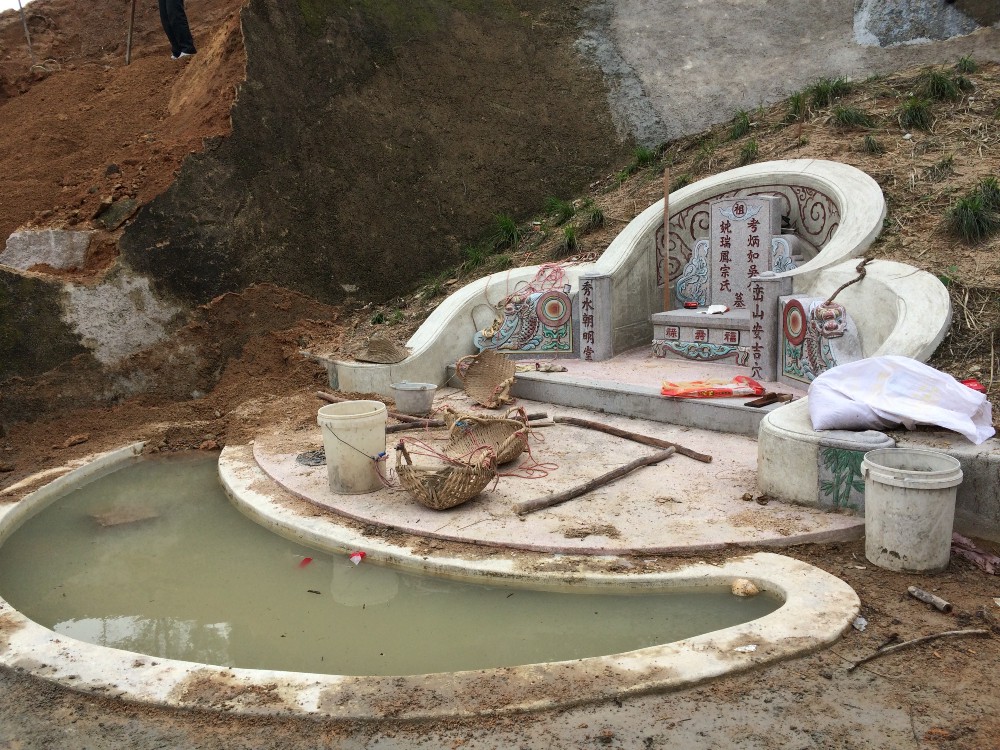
(741, 233)
(596, 334)
(764, 335)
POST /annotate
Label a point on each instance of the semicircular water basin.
(817, 608)
(154, 559)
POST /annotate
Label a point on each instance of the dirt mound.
(89, 129)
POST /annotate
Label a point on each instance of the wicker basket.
(506, 437)
(487, 377)
(443, 487)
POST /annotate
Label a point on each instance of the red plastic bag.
(741, 385)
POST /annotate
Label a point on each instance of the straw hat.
(382, 351)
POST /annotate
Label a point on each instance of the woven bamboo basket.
(443, 487)
(487, 377)
(506, 437)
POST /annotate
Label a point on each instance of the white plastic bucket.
(909, 507)
(413, 398)
(353, 436)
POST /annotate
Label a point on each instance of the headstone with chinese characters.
(731, 285)
(594, 300)
(741, 234)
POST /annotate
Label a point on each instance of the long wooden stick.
(666, 238)
(922, 639)
(530, 506)
(329, 397)
(27, 35)
(128, 38)
(636, 437)
(426, 423)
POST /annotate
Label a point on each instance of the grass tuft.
(966, 65)
(476, 257)
(643, 157)
(592, 217)
(502, 262)
(989, 189)
(749, 152)
(826, 90)
(434, 287)
(916, 113)
(680, 181)
(972, 219)
(870, 145)
(570, 242)
(852, 117)
(964, 84)
(740, 125)
(937, 85)
(706, 153)
(561, 211)
(798, 107)
(507, 233)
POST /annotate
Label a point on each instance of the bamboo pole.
(128, 39)
(634, 436)
(27, 35)
(423, 424)
(330, 398)
(666, 238)
(530, 506)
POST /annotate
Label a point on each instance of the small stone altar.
(729, 289)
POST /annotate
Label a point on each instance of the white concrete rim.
(818, 608)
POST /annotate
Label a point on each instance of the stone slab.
(678, 505)
(59, 248)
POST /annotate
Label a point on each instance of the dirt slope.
(80, 126)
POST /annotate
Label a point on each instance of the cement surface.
(699, 63)
(678, 505)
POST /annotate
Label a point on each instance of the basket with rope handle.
(506, 437)
(487, 377)
(443, 487)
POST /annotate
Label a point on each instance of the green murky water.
(176, 572)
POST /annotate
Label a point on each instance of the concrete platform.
(629, 384)
(680, 505)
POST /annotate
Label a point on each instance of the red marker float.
(357, 556)
(305, 561)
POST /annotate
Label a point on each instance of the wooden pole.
(530, 506)
(128, 39)
(416, 422)
(666, 238)
(423, 424)
(636, 437)
(27, 36)
(330, 398)
(915, 641)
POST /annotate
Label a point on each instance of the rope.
(531, 469)
(861, 271)
(380, 458)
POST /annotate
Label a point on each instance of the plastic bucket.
(413, 398)
(909, 507)
(353, 436)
